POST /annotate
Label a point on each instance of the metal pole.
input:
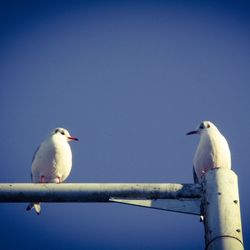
(221, 209)
(217, 201)
(95, 192)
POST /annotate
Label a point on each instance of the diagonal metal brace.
(187, 206)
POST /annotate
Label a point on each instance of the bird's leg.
(59, 179)
(42, 180)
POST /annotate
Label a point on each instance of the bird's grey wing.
(33, 158)
(195, 176)
(34, 155)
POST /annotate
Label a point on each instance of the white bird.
(212, 152)
(52, 161)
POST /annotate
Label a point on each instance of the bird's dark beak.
(192, 132)
(71, 138)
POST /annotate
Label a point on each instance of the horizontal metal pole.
(95, 192)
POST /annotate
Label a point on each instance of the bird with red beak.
(52, 161)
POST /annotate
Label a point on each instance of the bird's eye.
(208, 125)
(62, 132)
(202, 126)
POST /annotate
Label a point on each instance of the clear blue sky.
(129, 79)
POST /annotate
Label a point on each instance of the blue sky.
(129, 79)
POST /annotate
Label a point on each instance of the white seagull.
(52, 161)
(212, 152)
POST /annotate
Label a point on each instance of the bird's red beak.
(71, 138)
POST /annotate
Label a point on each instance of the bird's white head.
(63, 133)
(204, 127)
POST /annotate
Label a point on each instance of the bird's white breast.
(52, 160)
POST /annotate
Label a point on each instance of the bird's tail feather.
(36, 206)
